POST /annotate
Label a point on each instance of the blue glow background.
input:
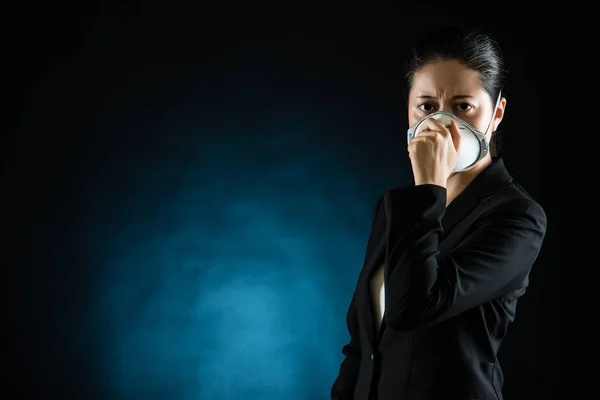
(195, 197)
(217, 211)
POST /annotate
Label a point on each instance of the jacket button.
(372, 357)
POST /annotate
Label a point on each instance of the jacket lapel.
(489, 181)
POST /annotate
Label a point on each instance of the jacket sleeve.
(422, 288)
(343, 386)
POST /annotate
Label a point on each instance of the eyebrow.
(460, 96)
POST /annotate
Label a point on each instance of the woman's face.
(452, 87)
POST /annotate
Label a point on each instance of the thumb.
(456, 135)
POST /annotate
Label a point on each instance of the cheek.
(413, 117)
(479, 122)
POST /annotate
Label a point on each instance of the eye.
(426, 107)
(464, 107)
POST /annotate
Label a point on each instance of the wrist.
(430, 181)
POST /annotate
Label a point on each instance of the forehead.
(446, 78)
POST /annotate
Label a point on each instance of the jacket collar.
(489, 181)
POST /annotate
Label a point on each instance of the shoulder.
(378, 220)
(514, 201)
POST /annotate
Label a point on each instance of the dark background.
(188, 192)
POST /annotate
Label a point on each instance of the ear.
(499, 114)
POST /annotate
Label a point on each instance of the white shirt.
(378, 296)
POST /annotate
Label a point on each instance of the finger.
(455, 133)
(426, 133)
(419, 141)
(425, 137)
(432, 124)
(411, 149)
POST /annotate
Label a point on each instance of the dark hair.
(472, 47)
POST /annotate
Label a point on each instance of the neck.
(459, 181)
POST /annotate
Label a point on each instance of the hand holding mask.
(434, 151)
(473, 147)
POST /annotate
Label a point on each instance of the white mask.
(474, 145)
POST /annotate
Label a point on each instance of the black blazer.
(453, 276)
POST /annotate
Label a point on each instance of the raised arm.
(423, 288)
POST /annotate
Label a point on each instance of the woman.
(448, 257)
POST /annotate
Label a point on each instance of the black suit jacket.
(453, 276)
